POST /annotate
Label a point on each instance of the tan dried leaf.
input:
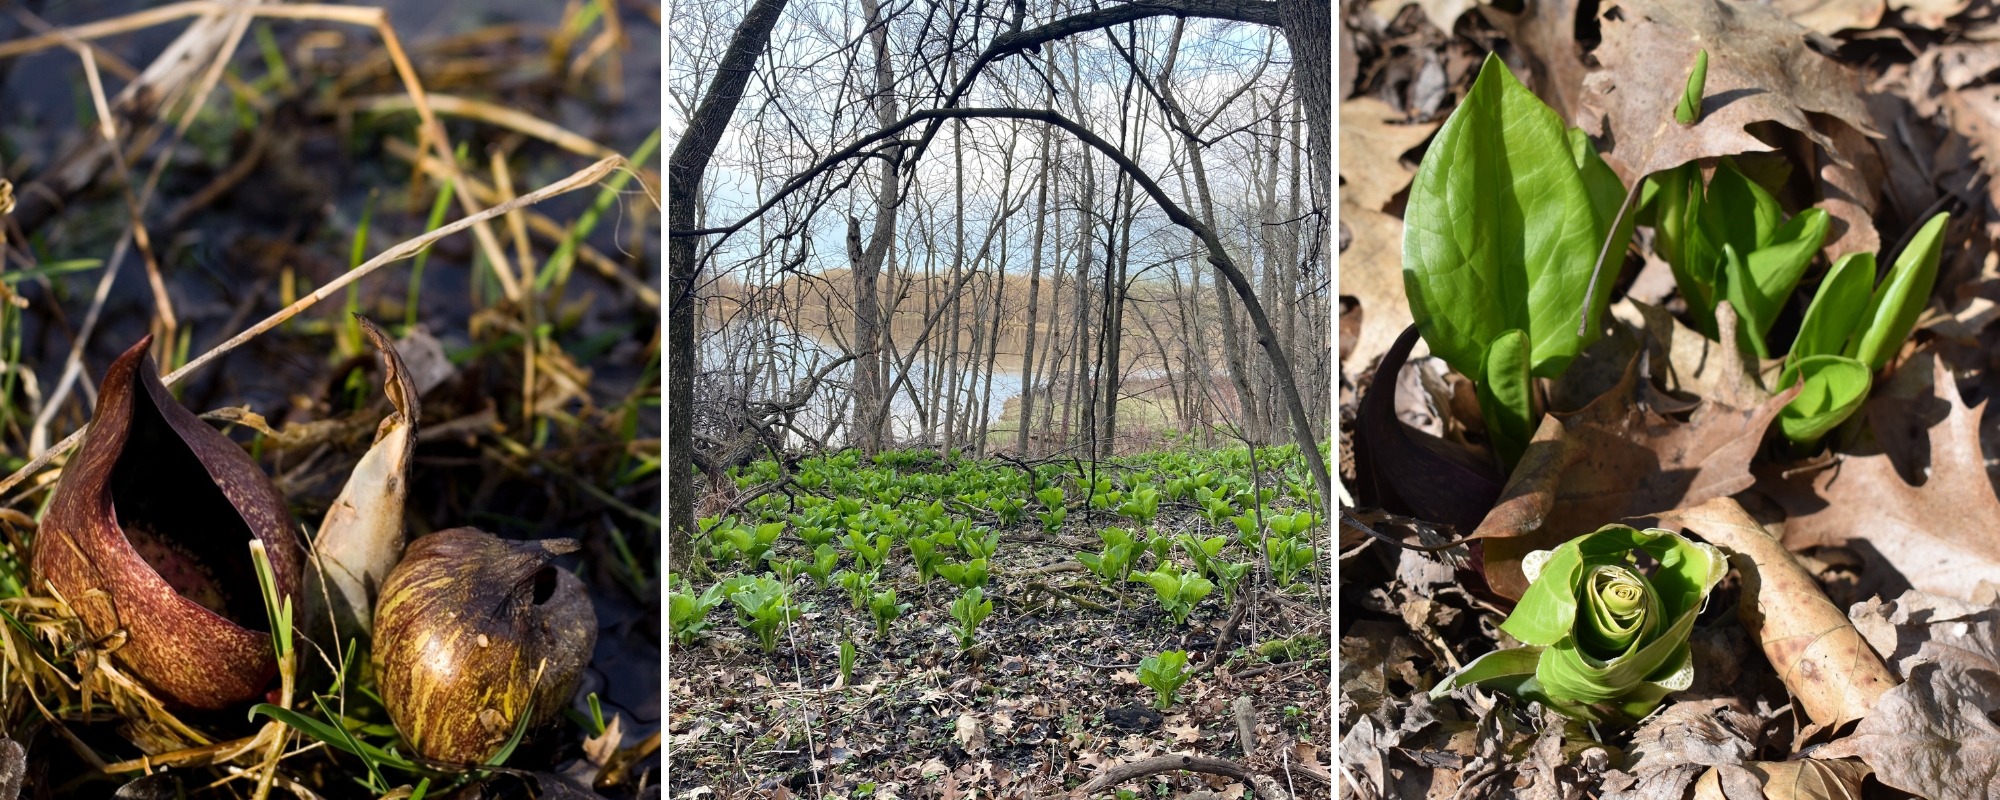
(1942, 536)
(1819, 655)
(1760, 68)
(1923, 739)
(1615, 459)
(969, 733)
(1807, 779)
(1702, 732)
(1833, 16)
(1372, 144)
(1962, 638)
(1544, 34)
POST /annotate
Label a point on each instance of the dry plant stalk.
(1822, 659)
(584, 177)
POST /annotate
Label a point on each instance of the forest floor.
(1891, 525)
(539, 398)
(1050, 694)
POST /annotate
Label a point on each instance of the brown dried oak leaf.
(1807, 779)
(1760, 68)
(1943, 537)
(1614, 459)
(1372, 144)
(1962, 638)
(1819, 655)
(1924, 740)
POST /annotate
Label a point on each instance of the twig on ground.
(1158, 764)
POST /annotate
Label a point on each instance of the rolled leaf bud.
(472, 631)
(1600, 639)
(147, 534)
(361, 538)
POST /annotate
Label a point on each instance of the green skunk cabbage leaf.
(1607, 640)
(1689, 108)
(1836, 308)
(1677, 237)
(1506, 396)
(1758, 284)
(1834, 388)
(1737, 211)
(1501, 231)
(1893, 311)
(1607, 193)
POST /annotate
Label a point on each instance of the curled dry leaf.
(1819, 655)
(1942, 537)
(1923, 739)
(1962, 638)
(1806, 779)
(1760, 69)
(1614, 459)
(361, 538)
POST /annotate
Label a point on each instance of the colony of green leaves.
(856, 525)
(1511, 213)
(1513, 230)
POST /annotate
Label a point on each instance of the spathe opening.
(545, 584)
(180, 522)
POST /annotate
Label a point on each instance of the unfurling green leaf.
(1893, 311)
(1689, 108)
(1506, 396)
(1760, 282)
(1503, 230)
(1602, 640)
(1164, 674)
(1834, 388)
(1836, 308)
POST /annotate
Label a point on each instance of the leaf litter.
(1852, 650)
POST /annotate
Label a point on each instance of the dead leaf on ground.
(1695, 364)
(1849, 181)
(969, 733)
(1615, 459)
(1822, 659)
(1702, 732)
(1760, 68)
(1833, 16)
(1544, 33)
(1371, 271)
(1962, 638)
(1922, 739)
(1808, 779)
(1372, 144)
(1930, 13)
(1938, 537)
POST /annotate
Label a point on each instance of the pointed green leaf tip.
(1690, 107)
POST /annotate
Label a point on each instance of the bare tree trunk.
(866, 261)
(1086, 392)
(1034, 295)
(992, 343)
(685, 169)
(1268, 213)
(954, 327)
